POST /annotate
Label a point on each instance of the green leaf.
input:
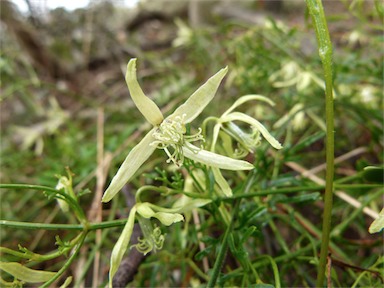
(26, 274)
(378, 224)
(262, 285)
(299, 198)
(66, 282)
(306, 142)
(374, 174)
(136, 157)
(201, 98)
(145, 105)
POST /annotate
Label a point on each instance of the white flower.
(152, 239)
(169, 133)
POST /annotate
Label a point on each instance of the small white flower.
(152, 239)
(169, 133)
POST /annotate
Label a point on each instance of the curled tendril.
(171, 133)
(154, 242)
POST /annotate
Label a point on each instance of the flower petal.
(378, 224)
(185, 204)
(134, 160)
(168, 219)
(216, 160)
(121, 245)
(216, 130)
(253, 122)
(201, 98)
(247, 98)
(223, 184)
(145, 105)
(144, 210)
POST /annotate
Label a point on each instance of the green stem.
(54, 192)
(274, 268)
(223, 251)
(79, 227)
(267, 192)
(316, 11)
(69, 261)
(224, 246)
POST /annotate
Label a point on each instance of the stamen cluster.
(171, 133)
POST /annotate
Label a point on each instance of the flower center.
(171, 134)
(154, 241)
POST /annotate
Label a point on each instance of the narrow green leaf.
(66, 282)
(145, 105)
(196, 103)
(215, 160)
(26, 274)
(136, 157)
(374, 174)
(262, 285)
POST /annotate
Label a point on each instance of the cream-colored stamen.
(171, 133)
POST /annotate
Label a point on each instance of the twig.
(100, 181)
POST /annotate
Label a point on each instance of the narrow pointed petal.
(145, 105)
(216, 130)
(216, 160)
(201, 98)
(136, 157)
(168, 219)
(253, 122)
(246, 98)
(121, 245)
(223, 184)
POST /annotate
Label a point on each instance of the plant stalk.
(316, 11)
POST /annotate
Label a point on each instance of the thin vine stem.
(222, 253)
(78, 227)
(319, 21)
(52, 191)
(69, 261)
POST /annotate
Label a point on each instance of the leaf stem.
(319, 21)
